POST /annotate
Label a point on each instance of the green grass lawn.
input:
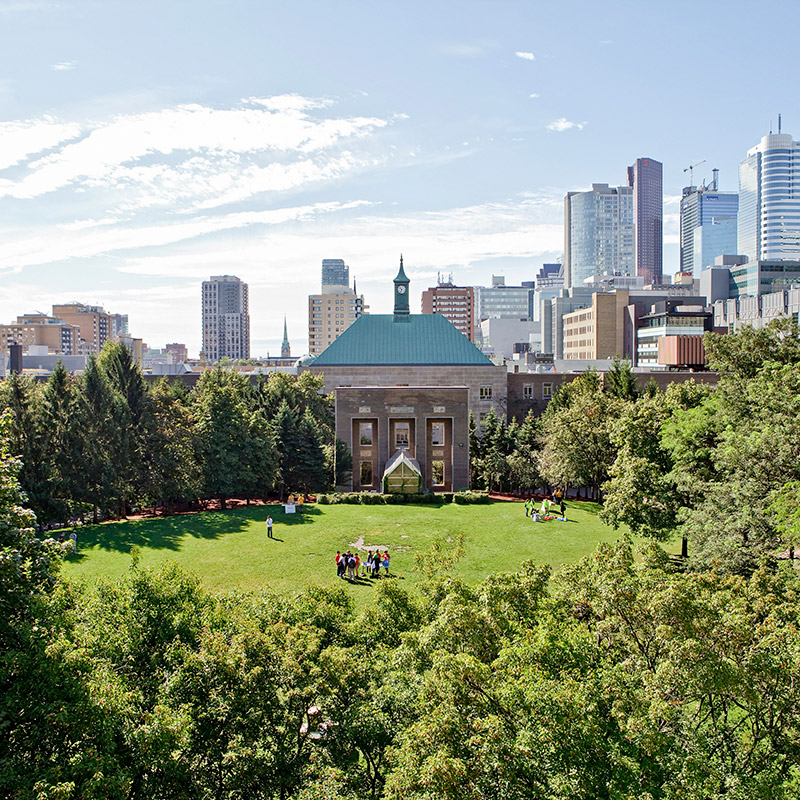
(230, 549)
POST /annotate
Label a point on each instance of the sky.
(145, 146)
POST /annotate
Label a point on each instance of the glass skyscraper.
(645, 178)
(769, 200)
(598, 233)
(708, 226)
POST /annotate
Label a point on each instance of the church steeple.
(286, 350)
(401, 293)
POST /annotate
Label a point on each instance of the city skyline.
(144, 148)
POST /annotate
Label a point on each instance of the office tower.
(499, 301)
(708, 225)
(335, 273)
(598, 233)
(335, 308)
(226, 319)
(456, 303)
(645, 178)
(94, 322)
(769, 200)
(286, 349)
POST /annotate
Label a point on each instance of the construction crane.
(690, 170)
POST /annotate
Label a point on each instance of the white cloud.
(63, 66)
(192, 153)
(525, 56)
(27, 137)
(563, 124)
(534, 95)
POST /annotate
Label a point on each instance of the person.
(351, 565)
(357, 565)
(376, 564)
(339, 565)
(528, 506)
(386, 562)
(535, 515)
(269, 528)
(366, 566)
(73, 537)
(563, 508)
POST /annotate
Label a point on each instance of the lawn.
(230, 549)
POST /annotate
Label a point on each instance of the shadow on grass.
(166, 533)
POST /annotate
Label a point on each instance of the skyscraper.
(769, 200)
(708, 225)
(226, 318)
(335, 308)
(645, 178)
(335, 272)
(598, 233)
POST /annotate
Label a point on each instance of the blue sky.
(147, 145)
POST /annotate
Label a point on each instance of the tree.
(641, 491)
(620, 381)
(576, 444)
(234, 442)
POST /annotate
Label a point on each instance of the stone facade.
(430, 422)
(487, 385)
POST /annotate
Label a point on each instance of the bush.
(471, 498)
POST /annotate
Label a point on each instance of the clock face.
(401, 289)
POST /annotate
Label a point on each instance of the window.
(437, 434)
(485, 393)
(482, 417)
(365, 433)
(401, 435)
(527, 391)
(365, 473)
(547, 391)
(437, 473)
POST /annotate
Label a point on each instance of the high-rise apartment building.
(456, 303)
(335, 309)
(94, 322)
(645, 178)
(769, 200)
(226, 318)
(598, 233)
(708, 226)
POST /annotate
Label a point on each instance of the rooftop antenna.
(779, 123)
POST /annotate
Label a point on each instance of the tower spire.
(401, 309)
(286, 350)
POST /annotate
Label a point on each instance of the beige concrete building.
(597, 331)
(94, 323)
(330, 314)
(32, 330)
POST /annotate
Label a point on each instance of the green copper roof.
(416, 339)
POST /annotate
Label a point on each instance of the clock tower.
(401, 293)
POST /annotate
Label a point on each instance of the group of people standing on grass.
(348, 564)
(546, 512)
